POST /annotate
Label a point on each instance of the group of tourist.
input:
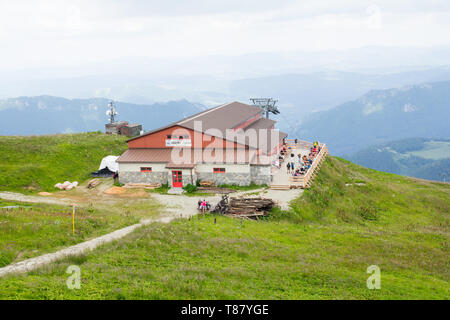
(297, 164)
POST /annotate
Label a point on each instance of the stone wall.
(187, 180)
(257, 174)
(241, 179)
(260, 174)
(143, 177)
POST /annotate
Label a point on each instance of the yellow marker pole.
(73, 219)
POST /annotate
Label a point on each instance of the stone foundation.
(241, 179)
(257, 175)
(260, 174)
(141, 177)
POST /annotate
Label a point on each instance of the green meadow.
(351, 218)
(35, 229)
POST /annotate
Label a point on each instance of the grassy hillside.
(350, 219)
(39, 162)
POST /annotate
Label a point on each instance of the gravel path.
(184, 205)
(14, 196)
(283, 197)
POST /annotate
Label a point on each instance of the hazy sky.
(69, 33)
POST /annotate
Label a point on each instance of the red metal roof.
(228, 116)
(187, 156)
(262, 123)
(223, 117)
(145, 155)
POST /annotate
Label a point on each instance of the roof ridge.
(203, 113)
(188, 122)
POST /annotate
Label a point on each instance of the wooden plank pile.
(207, 183)
(250, 207)
(93, 183)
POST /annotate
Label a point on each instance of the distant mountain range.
(48, 115)
(318, 91)
(381, 116)
(299, 93)
(374, 131)
(415, 157)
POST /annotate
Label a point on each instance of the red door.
(177, 179)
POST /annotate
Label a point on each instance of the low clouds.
(70, 33)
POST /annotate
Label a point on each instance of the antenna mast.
(268, 105)
(111, 113)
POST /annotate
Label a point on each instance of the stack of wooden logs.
(250, 207)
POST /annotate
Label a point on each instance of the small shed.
(131, 130)
(114, 128)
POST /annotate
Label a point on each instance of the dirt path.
(283, 197)
(13, 196)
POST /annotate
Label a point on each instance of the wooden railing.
(305, 180)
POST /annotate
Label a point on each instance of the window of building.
(219, 170)
(169, 136)
(146, 169)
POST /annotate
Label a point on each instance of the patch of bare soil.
(115, 190)
(121, 191)
(135, 193)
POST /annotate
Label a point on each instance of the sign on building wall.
(178, 143)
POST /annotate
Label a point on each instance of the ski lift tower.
(268, 105)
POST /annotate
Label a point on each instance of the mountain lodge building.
(228, 144)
